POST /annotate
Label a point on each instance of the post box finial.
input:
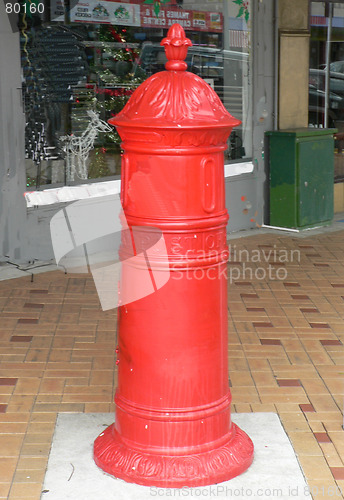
(176, 47)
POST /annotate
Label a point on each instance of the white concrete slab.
(73, 475)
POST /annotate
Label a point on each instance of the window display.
(327, 46)
(80, 67)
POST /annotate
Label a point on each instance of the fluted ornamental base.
(176, 471)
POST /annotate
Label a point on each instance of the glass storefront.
(327, 62)
(80, 65)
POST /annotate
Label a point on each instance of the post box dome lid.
(175, 98)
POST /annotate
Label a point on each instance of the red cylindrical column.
(173, 425)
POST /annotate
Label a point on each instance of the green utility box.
(301, 163)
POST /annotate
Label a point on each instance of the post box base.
(172, 471)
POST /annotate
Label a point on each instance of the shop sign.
(189, 19)
(104, 12)
(57, 10)
(130, 14)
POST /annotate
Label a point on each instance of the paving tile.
(337, 437)
(80, 407)
(294, 422)
(21, 338)
(99, 407)
(48, 386)
(321, 358)
(304, 443)
(315, 467)
(10, 445)
(288, 383)
(32, 463)
(332, 455)
(307, 407)
(322, 437)
(7, 469)
(8, 381)
(40, 427)
(315, 426)
(323, 402)
(338, 473)
(314, 386)
(323, 489)
(101, 377)
(241, 379)
(44, 417)
(330, 420)
(262, 324)
(259, 407)
(327, 342)
(270, 342)
(264, 379)
(4, 489)
(25, 490)
(299, 358)
(27, 321)
(29, 476)
(37, 450)
(38, 438)
(12, 427)
(334, 386)
(309, 310)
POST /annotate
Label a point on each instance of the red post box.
(173, 422)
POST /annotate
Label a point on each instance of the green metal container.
(301, 163)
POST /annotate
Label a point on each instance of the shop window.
(327, 61)
(77, 75)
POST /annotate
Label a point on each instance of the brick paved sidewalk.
(286, 355)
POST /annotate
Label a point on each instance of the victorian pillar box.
(173, 423)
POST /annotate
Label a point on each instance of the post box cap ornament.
(173, 423)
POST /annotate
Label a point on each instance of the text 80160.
(24, 8)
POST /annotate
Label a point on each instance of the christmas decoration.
(156, 5)
(52, 63)
(67, 71)
(78, 148)
(244, 9)
(98, 165)
(112, 79)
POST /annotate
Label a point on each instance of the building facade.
(67, 71)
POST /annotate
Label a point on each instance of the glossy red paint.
(173, 422)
